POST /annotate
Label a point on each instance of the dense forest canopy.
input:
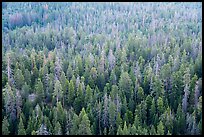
(101, 68)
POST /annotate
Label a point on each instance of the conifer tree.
(21, 129)
(5, 126)
(40, 91)
(160, 128)
(57, 129)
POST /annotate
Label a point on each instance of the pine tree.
(70, 97)
(133, 130)
(125, 129)
(105, 111)
(160, 128)
(118, 121)
(152, 110)
(48, 124)
(58, 91)
(101, 81)
(84, 126)
(57, 129)
(40, 91)
(140, 94)
(75, 125)
(79, 100)
(69, 72)
(113, 78)
(80, 65)
(138, 112)
(148, 103)
(125, 84)
(111, 130)
(10, 103)
(30, 126)
(19, 79)
(5, 126)
(168, 133)
(42, 130)
(157, 87)
(128, 117)
(160, 105)
(25, 90)
(111, 59)
(124, 106)
(37, 117)
(112, 113)
(33, 133)
(60, 113)
(119, 131)
(136, 121)
(152, 130)
(144, 111)
(168, 119)
(21, 129)
(34, 76)
(63, 81)
(89, 95)
(18, 103)
(180, 120)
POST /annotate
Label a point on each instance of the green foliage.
(160, 128)
(127, 69)
(40, 91)
(112, 114)
(160, 105)
(84, 126)
(21, 129)
(152, 130)
(89, 95)
(118, 121)
(57, 129)
(119, 131)
(5, 126)
(71, 90)
(125, 84)
(19, 79)
(58, 90)
(125, 129)
(140, 94)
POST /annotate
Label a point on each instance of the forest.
(101, 68)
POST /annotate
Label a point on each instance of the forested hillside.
(101, 68)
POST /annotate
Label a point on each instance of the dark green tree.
(5, 126)
(21, 129)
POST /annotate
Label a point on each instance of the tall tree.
(21, 129)
(71, 94)
(119, 131)
(140, 94)
(84, 126)
(5, 126)
(160, 128)
(160, 105)
(58, 90)
(42, 130)
(125, 129)
(40, 91)
(105, 111)
(125, 84)
(10, 103)
(19, 79)
(89, 95)
(111, 59)
(112, 113)
(57, 129)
